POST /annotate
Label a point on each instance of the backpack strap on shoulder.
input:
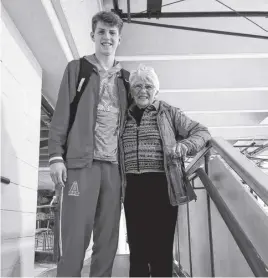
(85, 71)
(125, 75)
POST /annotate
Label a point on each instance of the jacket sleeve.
(60, 121)
(191, 133)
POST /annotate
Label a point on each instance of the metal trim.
(195, 14)
(202, 30)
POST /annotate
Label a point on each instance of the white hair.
(145, 73)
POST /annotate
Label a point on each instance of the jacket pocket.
(182, 188)
(78, 163)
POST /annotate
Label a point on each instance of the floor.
(121, 264)
(120, 269)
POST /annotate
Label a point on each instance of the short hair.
(108, 18)
(145, 73)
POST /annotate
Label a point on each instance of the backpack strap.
(125, 75)
(85, 72)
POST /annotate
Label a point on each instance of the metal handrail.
(251, 255)
(253, 176)
(250, 173)
(197, 161)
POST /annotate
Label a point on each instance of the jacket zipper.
(96, 109)
(165, 162)
(122, 124)
(138, 164)
(122, 163)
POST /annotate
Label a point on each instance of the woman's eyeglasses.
(147, 87)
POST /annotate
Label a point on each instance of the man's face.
(106, 38)
(143, 92)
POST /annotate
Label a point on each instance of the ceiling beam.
(202, 30)
(65, 27)
(116, 7)
(237, 132)
(58, 29)
(217, 102)
(227, 119)
(227, 112)
(247, 139)
(128, 11)
(223, 56)
(259, 150)
(154, 7)
(156, 14)
(246, 146)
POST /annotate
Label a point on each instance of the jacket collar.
(154, 106)
(98, 67)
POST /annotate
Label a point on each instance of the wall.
(20, 121)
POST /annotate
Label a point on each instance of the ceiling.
(218, 78)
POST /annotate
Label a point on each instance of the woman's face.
(144, 92)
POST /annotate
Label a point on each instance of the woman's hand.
(179, 150)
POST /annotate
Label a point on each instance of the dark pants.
(91, 202)
(151, 222)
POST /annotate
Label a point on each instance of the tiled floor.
(41, 268)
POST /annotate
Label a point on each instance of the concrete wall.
(20, 120)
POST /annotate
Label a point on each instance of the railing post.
(189, 237)
(209, 223)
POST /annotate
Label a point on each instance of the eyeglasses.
(147, 87)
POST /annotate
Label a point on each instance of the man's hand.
(58, 173)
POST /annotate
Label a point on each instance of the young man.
(84, 158)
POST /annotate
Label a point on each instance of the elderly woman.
(155, 137)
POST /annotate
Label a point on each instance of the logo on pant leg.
(74, 191)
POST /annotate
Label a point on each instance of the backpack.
(85, 72)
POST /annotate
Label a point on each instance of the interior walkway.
(120, 269)
(121, 263)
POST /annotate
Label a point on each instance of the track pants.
(90, 202)
(151, 222)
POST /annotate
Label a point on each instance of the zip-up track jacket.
(80, 142)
